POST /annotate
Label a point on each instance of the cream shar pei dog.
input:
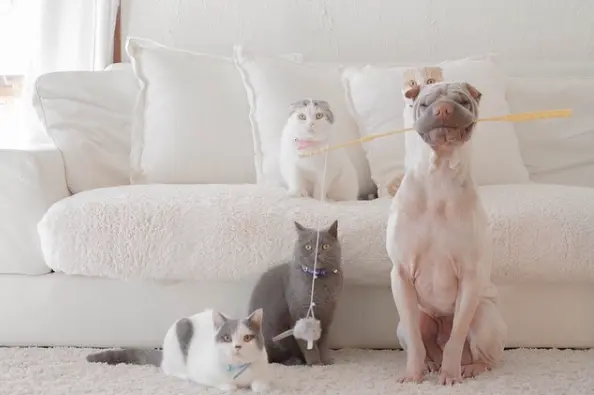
(438, 243)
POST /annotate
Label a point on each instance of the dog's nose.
(443, 110)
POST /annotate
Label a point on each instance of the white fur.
(437, 242)
(207, 360)
(303, 176)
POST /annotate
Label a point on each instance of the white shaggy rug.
(64, 371)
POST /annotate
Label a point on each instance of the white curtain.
(66, 35)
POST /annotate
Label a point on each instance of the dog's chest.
(435, 232)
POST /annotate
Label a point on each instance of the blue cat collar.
(239, 368)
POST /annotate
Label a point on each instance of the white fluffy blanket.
(230, 232)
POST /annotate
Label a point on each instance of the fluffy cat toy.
(208, 348)
(310, 126)
(284, 292)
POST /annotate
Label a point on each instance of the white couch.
(130, 259)
(114, 264)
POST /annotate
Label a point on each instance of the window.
(15, 44)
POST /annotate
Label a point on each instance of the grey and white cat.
(310, 126)
(208, 348)
(284, 292)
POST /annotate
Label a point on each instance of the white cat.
(310, 126)
(207, 348)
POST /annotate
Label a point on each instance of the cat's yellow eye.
(227, 339)
(248, 338)
(302, 117)
(412, 83)
(325, 246)
(319, 115)
(430, 81)
(308, 247)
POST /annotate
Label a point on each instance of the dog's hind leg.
(487, 336)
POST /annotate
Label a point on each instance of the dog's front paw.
(260, 386)
(449, 376)
(414, 377)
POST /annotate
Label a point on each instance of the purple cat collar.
(312, 272)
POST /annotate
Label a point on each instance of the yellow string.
(522, 117)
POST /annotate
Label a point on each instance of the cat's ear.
(333, 229)
(218, 320)
(299, 227)
(326, 110)
(412, 92)
(295, 106)
(255, 319)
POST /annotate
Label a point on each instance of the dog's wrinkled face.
(445, 113)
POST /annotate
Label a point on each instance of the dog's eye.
(430, 81)
(319, 115)
(325, 246)
(248, 338)
(412, 83)
(465, 103)
(308, 247)
(423, 105)
(302, 117)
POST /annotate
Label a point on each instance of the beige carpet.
(63, 371)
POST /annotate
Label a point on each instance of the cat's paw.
(260, 386)
(297, 193)
(294, 361)
(227, 387)
(326, 358)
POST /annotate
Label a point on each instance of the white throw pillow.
(556, 151)
(88, 116)
(374, 94)
(191, 123)
(272, 84)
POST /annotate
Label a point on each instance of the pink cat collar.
(302, 144)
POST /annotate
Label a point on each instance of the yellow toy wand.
(522, 117)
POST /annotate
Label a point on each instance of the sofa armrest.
(31, 180)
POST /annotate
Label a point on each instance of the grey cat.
(284, 293)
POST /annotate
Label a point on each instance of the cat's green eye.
(227, 339)
(325, 246)
(248, 338)
(319, 115)
(308, 247)
(302, 117)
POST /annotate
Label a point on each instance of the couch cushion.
(229, 232)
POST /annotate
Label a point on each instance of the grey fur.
(322, 105)
(131, 356)
(284, 294)
(228, 328)
(464, 100)
(184, 329)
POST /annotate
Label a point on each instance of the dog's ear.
(475, 93)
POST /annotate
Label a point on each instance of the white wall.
(372, 30)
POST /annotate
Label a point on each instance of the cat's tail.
(128, 356)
